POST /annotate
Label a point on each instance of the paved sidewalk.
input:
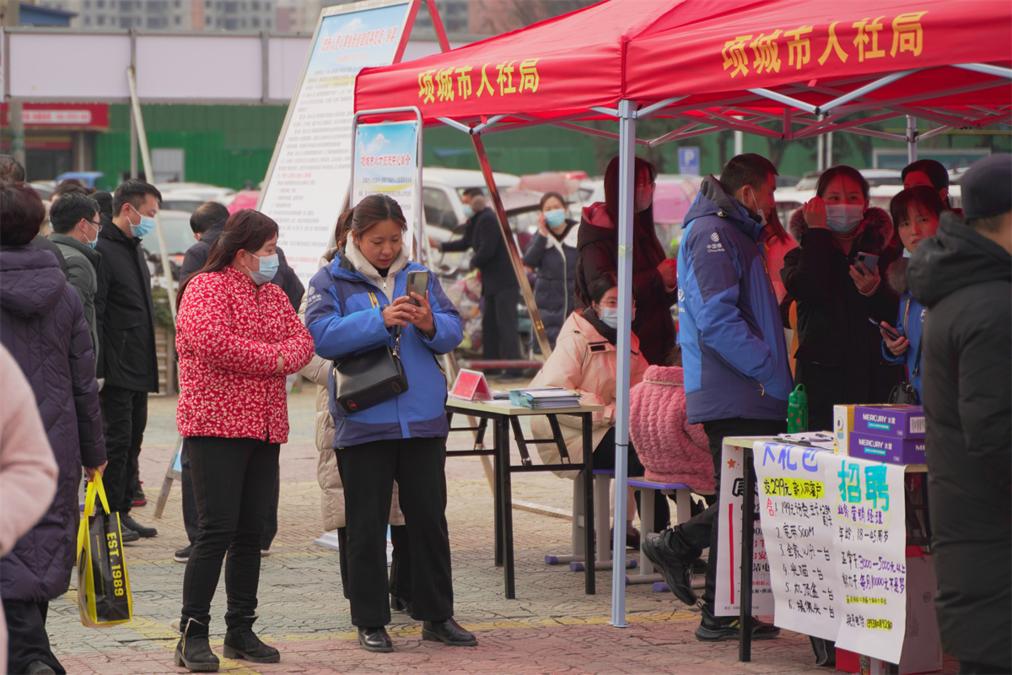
(551, 626)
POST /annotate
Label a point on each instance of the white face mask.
(844, 218)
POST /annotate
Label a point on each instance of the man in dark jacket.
(500, 291)
(964, 277)
(207, 222)
(127, 357)
(76, 225)
(737, 377)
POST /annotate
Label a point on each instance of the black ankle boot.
(193, 651)
(243, 643)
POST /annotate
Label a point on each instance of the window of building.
(100, 20)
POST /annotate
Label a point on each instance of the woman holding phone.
(358, 303)
(836, 278)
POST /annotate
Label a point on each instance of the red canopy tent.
(779, 68)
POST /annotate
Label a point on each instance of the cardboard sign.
(471, 385)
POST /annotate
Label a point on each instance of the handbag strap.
(374, 301)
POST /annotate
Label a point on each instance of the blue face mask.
(94, 242)
(468, 211)
(143, 228)
(555, 217)
(268, 269)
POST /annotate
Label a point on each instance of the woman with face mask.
(238, 337)
(360, 303)
(655, 283)
(585, 360)
(836, 278)
(915, 212)
(551, 255)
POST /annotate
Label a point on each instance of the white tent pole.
(911, 139)
(626, 178)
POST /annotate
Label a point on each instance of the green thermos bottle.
(797, 410)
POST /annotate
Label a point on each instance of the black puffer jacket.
(839, 357)
(42, 325)
(123, 310)
(554, 264)
(965, 281)
(598, 246)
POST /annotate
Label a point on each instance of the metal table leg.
(497, 466)
(747, 540)
(588, 501)
(506, 504)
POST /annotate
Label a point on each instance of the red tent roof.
(716, 54)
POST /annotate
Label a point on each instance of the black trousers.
(400, 564)
(190, 505)
(125, 414)
(500, 330)
(703, 530)
(232, 483)
(604, 458)
(27, 640)
(368, 472)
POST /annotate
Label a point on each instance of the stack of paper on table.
(545, 398)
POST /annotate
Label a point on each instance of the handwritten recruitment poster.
(835, 537)
(796, 509)
(728, 592)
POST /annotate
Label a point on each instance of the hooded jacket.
(730, 331)
(839, 357)
(286, 278)
(583, 360)
(909, 323)
(598, 246)
(343, 320)
(553, 259)
(127, 357)
(965, 281)
(42, 325)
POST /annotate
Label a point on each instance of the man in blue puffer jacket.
(737, 377)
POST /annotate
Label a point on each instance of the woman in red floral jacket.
(238, 338)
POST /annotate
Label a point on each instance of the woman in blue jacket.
(915, 211)
(357, 303)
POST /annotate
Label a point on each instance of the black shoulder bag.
(366, 379)
(904, 392)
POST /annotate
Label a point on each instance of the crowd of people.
(910, 304)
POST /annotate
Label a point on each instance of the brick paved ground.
(551, 627)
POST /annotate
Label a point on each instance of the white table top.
(504, 407)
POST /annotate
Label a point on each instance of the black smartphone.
(418, 282)
(893, 335)
(869, 260)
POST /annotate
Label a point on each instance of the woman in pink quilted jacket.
(585, 360)
(238, 338)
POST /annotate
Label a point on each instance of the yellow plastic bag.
(103, 586)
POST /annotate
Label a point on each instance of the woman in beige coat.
(332, 497)
(585, 360)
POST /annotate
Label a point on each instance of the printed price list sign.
(834, 529)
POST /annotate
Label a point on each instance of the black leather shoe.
(375, 639)
(128, 535)
(399, 604)
(39, 668)
(243, 643)
(193, 651)
(448, 632)
(127, 520)
(676, 570)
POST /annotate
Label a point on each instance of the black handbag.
(364, 380)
